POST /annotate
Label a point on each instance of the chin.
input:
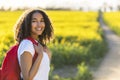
(40, 34)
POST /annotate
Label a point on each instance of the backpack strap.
(34, 42)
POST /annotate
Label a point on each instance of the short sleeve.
(25, 45)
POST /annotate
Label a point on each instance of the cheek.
(43, 24)
(33, 24)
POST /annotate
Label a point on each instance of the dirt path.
(110, 66)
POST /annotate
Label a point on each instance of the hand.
(47, 51)
(38, 49)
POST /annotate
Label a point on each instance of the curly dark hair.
(23, 27)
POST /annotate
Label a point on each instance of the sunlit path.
(110, 66)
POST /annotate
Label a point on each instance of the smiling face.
(37, 25)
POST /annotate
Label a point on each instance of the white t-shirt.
(43, 71)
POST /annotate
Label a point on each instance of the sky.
(72, 4)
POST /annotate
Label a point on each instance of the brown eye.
(42, 20)
(33, 21)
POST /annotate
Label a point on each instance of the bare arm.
(28, 70)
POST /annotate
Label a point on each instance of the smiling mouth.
(39, 29)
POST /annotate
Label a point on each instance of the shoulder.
(26, 42)
(26, 45)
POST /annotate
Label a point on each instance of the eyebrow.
(36, 18)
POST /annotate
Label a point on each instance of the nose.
(38, 23)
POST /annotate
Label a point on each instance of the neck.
(34, 37)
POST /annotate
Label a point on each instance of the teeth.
(39, 29)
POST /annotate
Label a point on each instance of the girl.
(35, 24)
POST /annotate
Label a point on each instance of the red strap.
(32, 40)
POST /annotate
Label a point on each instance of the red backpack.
(10, 69)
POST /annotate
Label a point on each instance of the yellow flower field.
(78, 37)
(113, 20)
